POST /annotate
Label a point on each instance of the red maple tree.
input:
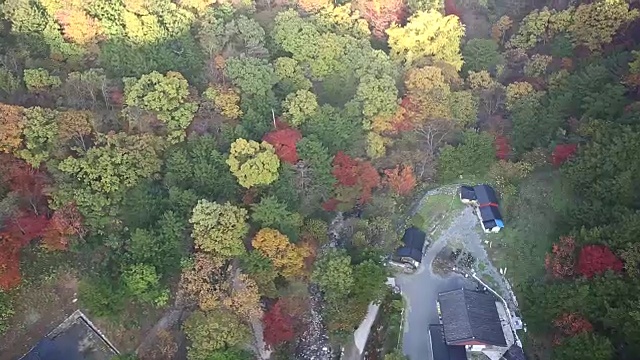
(562, 153)
(278, 325)
(28, 183)
(18, 232)
(9, 261)
(403, 119)
(369, 179)
(116, 96)
(570, 324)
(65, 223)
(355, 173)
(450, 8)
(560, 263)
(597, 259)
(284, 141)
(345, 169)
(380, 14)
(26, 227)
(401, 179)
(331, 204)
(503, 148)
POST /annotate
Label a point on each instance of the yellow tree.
(595, 24)
(11, 125)
(299, 107)
(244, 298)
(78, 27)
(76, 126)
(166, 96)
(287, 258)
(313, 6)
(489, 91)
(196, 280)
(225, 101)
(517, 91)
(212, 284)
(500, 28)
(219, 229)
(253, 163)
(213, 330)
(429, 93)
(376, 145)
(428, 34)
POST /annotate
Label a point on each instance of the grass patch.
(533, 221)
(489, 280)
(38, 264)
(436, 211)
(482, 267)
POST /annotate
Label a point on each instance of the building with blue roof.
(484, 198)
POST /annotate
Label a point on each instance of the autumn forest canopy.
(195, 154)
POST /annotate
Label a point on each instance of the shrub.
(101, 297)
(6, 311)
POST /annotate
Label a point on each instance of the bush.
(101, 297)
(212, 332)
(481, 54)
(506, 175)
(143, 283)
(585, 346)
(40, 79)
(6, 311)
(561, 47)
(231, 354)
(472, 157)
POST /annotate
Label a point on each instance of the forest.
(194, 155)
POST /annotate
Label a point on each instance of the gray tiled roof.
(470, 316)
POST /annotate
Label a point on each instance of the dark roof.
(409, 252)
(490, 213)
(442, 351)
(514, 353)
(485, 194)
(469, 315)
(74, 339)
(467, 192)
(414, 238)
